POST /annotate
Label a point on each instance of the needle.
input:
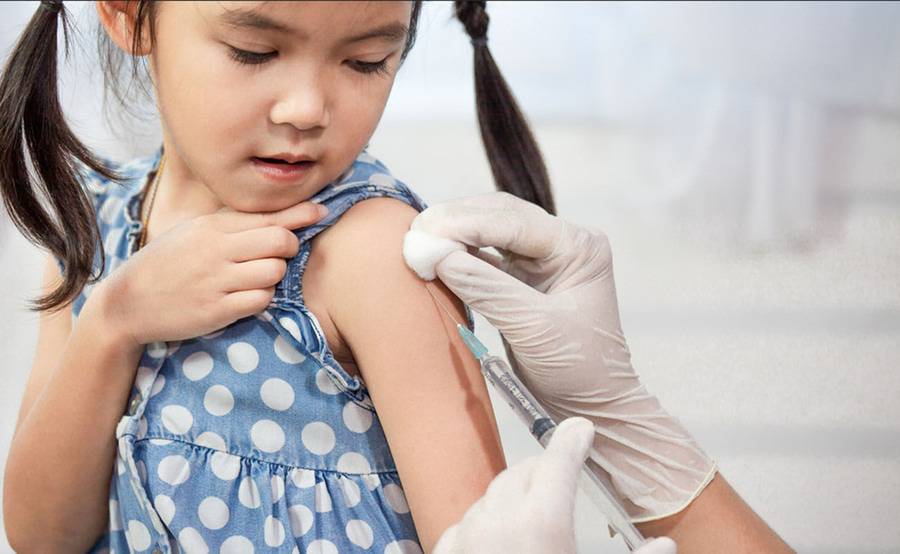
(433, 295)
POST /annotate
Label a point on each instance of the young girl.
(279, 371)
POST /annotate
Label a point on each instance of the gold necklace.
(154, 185)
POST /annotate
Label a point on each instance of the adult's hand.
(552, 296)
(529, 506)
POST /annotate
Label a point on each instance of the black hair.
(39, 152)
(31, 119)
(516, 161)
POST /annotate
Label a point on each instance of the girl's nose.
(303, 107)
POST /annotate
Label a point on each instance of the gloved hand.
(551, 295)
(528, 507)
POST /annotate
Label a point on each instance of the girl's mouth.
(281, 170)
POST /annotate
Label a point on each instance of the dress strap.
(366, 178)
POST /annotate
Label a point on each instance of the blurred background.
(742, 158)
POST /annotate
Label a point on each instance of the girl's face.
(240, 81)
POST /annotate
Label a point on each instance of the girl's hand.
(203, 274)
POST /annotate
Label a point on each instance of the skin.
(308, 99)
(380, 319)
(408, 349)
(329, 110)
(718, 520)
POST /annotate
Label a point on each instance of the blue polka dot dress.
(252, 438)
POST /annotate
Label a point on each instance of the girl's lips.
(282, 172)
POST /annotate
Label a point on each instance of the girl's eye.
(250, 58)
(370, 67)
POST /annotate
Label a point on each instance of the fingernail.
(323, 210)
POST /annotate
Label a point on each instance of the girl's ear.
(118, 18)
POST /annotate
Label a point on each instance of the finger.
(565, 455)
(422, 251)
(496, 219)
(253, 274)
(261, 242)
(496, 260)
(244, 303)
(659, 545)
(496, 295)
(293, 217)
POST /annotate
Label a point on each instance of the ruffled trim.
(204, 495)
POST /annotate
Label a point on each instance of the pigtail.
(515, 158)
(31, 116)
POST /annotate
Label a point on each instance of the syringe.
(541, 425)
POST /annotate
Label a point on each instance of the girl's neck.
(179, 196)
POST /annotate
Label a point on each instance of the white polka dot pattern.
(277, 483)
(301, 519)
(165, 507)
(277, 394)
(191, 541)
(303, 478)
(318, 437)
(242, 439)
(243, 357)
(177, 419)
(396, 498)
(248, 493)
(137, 535)
(322, 498)
(267, 435)
(236, 544)
(325, 384)
(197, 366)
(218, 400)
(357, 418)
(321, 546)
(273, 532)
(213, 512)
(286, 352)
(360, 533)
(225, 466)
(174, 470)
(353, 462)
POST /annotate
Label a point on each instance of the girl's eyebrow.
(390, 32)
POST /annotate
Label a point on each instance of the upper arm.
(53, 333)
(430, 395)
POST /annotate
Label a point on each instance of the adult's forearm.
(718, 520)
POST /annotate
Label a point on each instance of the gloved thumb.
(572, 440)
(565, 455)
(660, 545)
(495, 294)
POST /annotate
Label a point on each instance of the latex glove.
(552, 296)
(529, 506)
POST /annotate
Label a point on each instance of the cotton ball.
(423, 251)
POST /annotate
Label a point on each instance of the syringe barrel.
(542, 427)
(519, 398)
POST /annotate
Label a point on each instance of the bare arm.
(56, 484)
(430, 395)
(718, 520)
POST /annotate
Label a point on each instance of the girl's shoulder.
(367, 177)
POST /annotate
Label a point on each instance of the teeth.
(277, 161)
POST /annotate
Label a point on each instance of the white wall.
(742, 158)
